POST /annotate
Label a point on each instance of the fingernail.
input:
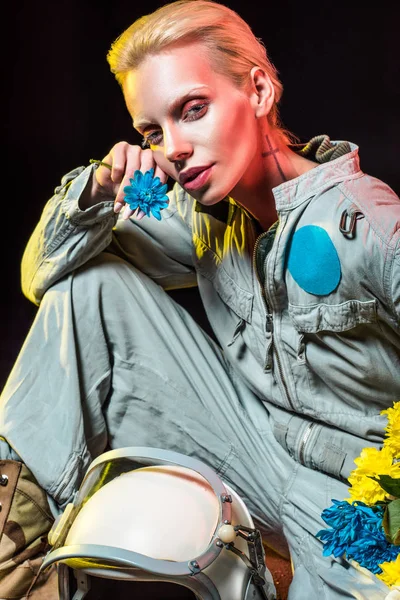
(118, 206)
(127, 212)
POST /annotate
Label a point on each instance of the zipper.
(304, 439)
(269, 322)
(269, 319)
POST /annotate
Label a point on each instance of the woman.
(293, 249)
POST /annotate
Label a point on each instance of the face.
(193, 118)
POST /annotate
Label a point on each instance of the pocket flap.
(332, 317)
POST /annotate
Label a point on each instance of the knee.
(109, 286)
(100, 280)
(103, 270)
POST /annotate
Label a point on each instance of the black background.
(339, 63)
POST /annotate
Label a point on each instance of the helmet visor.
(144, 508)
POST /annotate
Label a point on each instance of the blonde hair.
(232, 46)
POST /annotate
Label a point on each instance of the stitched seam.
(75, 221)
(129, 366)
(30, 499)
(388, 282)
(305, 550)
(313, 194)
(220, 266)
(76, 459)
(364, 209)
(223, 466)
(11, 501)
(286, 491)
(97, 383)
(341, 304)
(59, 239)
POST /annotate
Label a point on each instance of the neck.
(273, 164)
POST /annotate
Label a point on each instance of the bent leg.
(111, 360)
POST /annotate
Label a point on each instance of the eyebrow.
(142, 124)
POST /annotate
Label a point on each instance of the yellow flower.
(392, 413)
(391, 572)
(392, 439)
(371, 463)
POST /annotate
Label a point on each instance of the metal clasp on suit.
(348, 228)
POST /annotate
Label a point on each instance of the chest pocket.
(332, 317)
(211, 266)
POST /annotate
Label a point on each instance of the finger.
(161, 174)
(163, 178)
(119, 155)
(103, 174)
(110, 179)
(136, 214)
(146, 162)
(132, 163)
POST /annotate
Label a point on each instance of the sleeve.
(66, 237)
(396, 280)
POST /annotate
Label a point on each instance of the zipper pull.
(269, 329)
(238, 329)
(301, 349)
(268, 357)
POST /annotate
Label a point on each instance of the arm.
(79, 222)
(65, 237)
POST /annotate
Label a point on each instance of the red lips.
(191, 173)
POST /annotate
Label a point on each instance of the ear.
(262, 93)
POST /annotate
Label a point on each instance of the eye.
(196, 111)
(192, 113)
(152, 139)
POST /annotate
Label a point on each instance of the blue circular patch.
(313, 261)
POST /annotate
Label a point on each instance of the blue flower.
(372, 549)
(146, 193)
(356, 531)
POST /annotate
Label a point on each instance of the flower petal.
(138, 177)
(148, 178)
(156, 214)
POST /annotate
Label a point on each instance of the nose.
(176, 146)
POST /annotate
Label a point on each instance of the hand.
(124, 160)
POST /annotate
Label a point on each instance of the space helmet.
(151, 515)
